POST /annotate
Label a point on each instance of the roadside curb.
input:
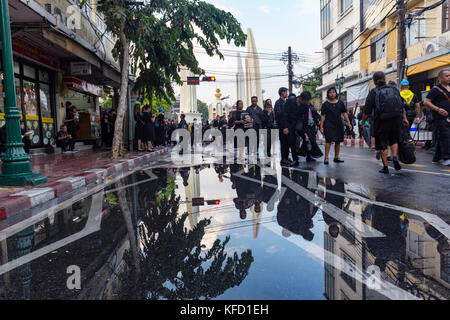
(65, 188)
(350, 143)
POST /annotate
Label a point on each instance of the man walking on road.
(387, 103)
(411, 102)
(256, 113)
(279, 114)
(438, 100)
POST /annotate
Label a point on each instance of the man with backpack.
(411, 103)
(387, 103)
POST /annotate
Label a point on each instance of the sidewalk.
(68, 174)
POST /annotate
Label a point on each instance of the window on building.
(445, 16)
(345, 5)
(378, 47)
(325, 17)
(329, 57)
(346, 49)
(348, 273)
(415, 33)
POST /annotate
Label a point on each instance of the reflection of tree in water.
(172, 263)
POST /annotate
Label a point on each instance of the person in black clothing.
(64, 139)
(3, 139)
(268, 123)
(256, 113)
(245, 198)
(331, 125)
(139, 127)
(412, 103)
(279, 114)
(183, 124)
(311, 121)
(148, 136)
(107, 137)
(237, 122)
(158, 125)
(438, 100)
(26, 138)
(292, 118)
(71, 123)
(386, 126)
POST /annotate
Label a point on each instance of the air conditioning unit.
(61, 18)
(443, 42)
(430, 47)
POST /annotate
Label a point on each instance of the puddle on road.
(288, 235)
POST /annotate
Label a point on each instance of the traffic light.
(193, 81)
(199, 202)
(209, 79)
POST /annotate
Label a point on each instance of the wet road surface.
(313, 232)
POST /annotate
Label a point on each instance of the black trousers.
(291, 145)
(284, 145)
(442, 136)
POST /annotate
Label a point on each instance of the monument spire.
(252, 72)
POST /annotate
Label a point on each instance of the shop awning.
(357, 94)
(429, 65)
(83, 86)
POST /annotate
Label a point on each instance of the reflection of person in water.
(248, 192)
(184, 173)
(268, 191)
(148, 192)
(394, 225)
(336, 200)
(294, 212)
(443, 245)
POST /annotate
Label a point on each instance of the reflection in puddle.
(276, 234)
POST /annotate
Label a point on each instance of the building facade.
(61, 53)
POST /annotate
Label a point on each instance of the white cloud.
(265, 9)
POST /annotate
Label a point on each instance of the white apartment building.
(341, 23)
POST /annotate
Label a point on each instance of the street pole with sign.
(16, 166)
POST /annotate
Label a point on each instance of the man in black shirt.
(279, 115)
(256, 113)
(438, 100)
(64, 139)
(387, 125)
(412, 103)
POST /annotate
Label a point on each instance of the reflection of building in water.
(407, 257)
(192, 190)
(339, 282)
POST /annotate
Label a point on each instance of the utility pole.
(290, 69)
(401, 39)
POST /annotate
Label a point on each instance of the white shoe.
(446, 162)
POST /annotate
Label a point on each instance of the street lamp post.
(16, 166)
(340, 84)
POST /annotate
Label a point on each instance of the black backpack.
(406, 147)
(389, 103)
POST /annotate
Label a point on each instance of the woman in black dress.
(148, 134)
(331, 125)
(140, 124)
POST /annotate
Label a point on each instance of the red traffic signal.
(193, 81)
(199, 202)
(209, 79)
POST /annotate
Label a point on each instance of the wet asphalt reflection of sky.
(310, 236)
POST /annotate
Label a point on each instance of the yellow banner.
(429, 65)
(31, 117)
(48, 120)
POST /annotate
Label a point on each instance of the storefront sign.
(33, 53)
(80, 68)
(83, 86)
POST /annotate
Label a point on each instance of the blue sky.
(276, 25)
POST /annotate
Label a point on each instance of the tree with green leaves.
(174, 264)
(203, 109)
(158, 38)
(313, 82)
